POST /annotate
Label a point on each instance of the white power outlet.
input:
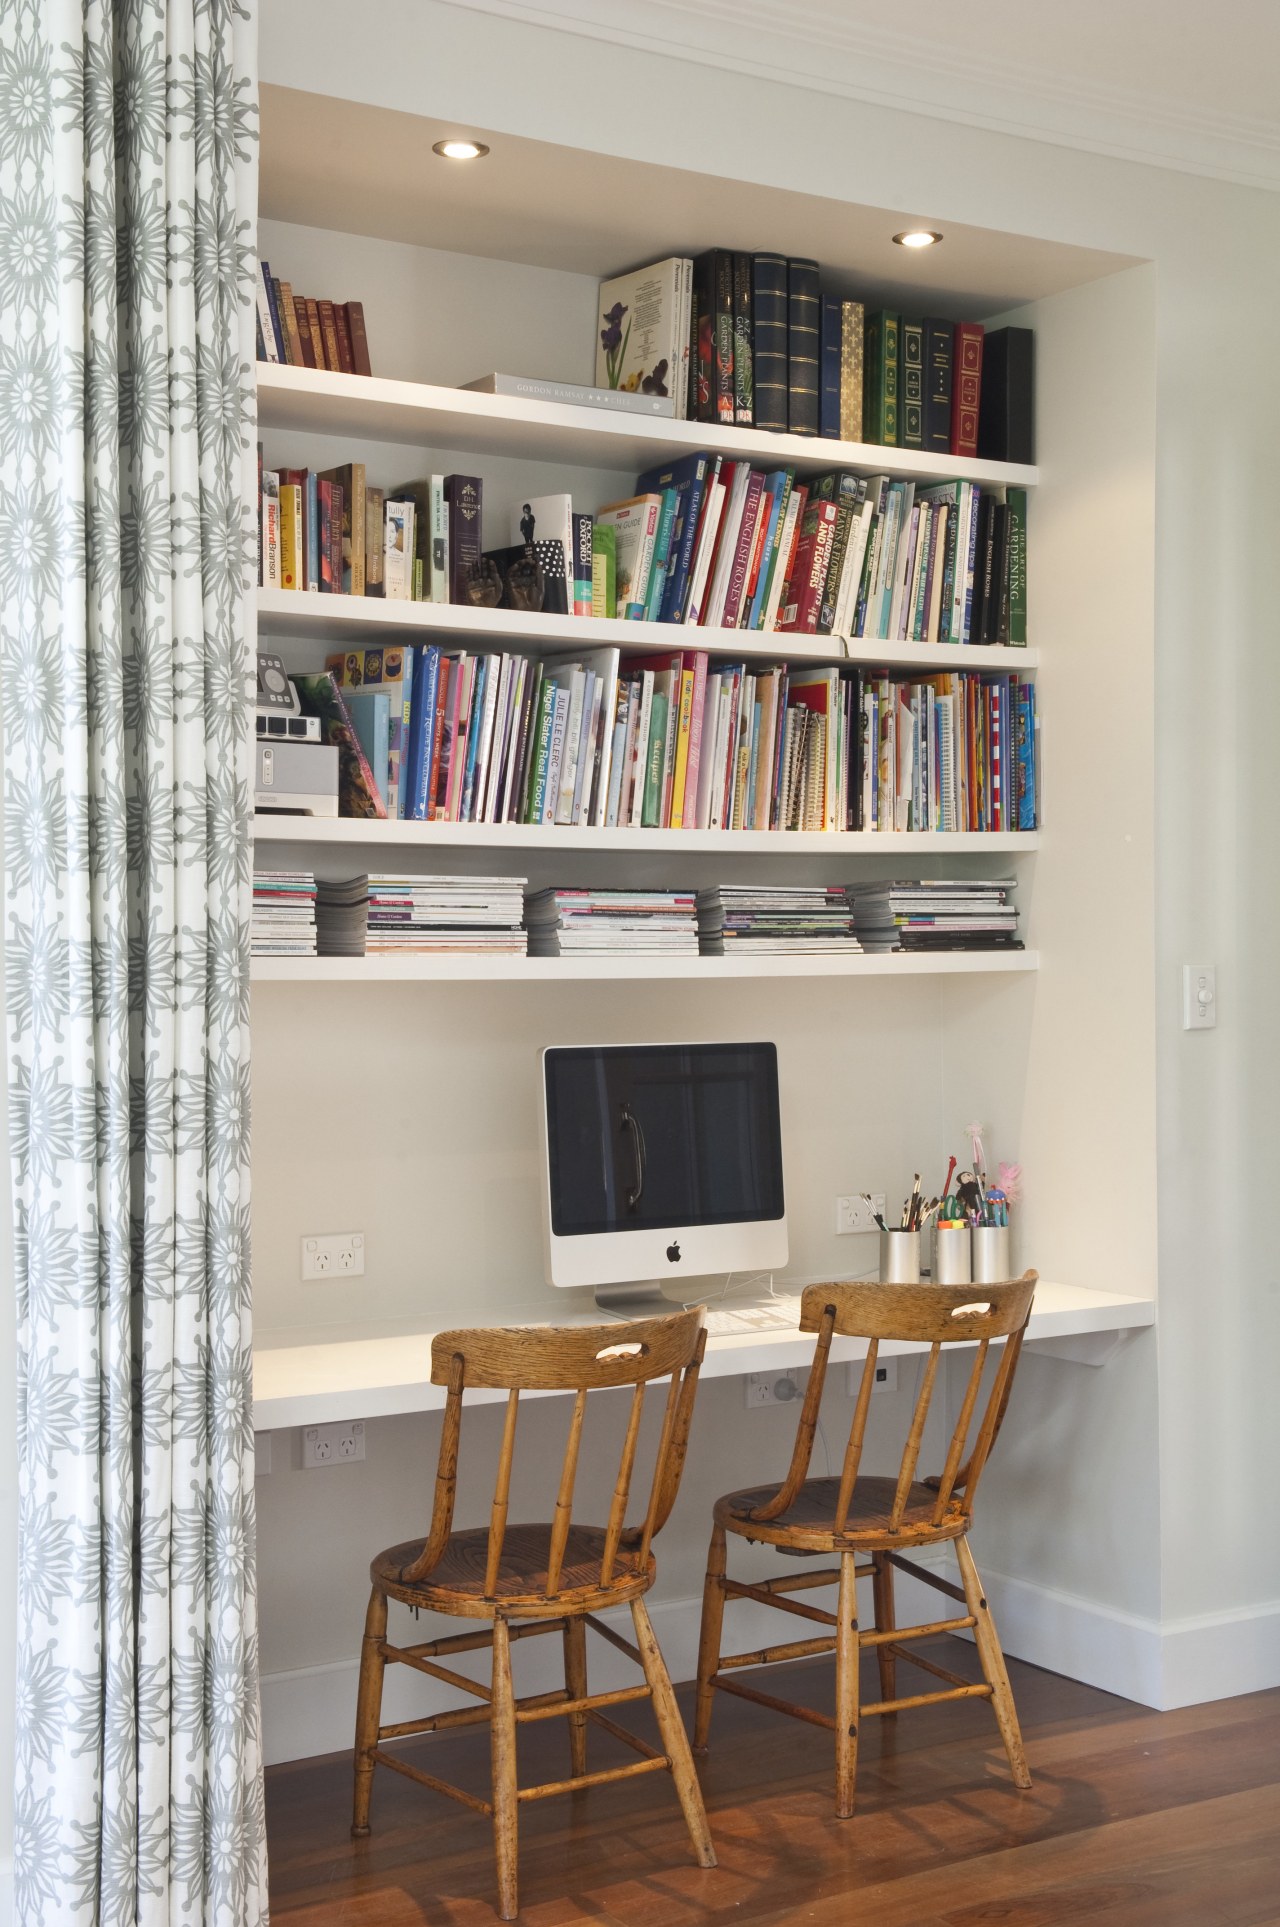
(337, 1254)
(855, 1214)
(773, 1388)
(333, 1444)
(886, 1378)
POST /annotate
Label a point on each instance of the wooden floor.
(1136, 1819)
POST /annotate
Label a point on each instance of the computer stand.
(636, 1299)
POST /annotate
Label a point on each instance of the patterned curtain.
(128, 138)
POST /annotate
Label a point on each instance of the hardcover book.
(937, 384)
(392, 671)
(642, 330)
(1006, 420)
(853, 323)
(359, 337)
(803, 347)
(769, 340)
(831, 323)
(351, 479)
(911, 384)
(881, 379)
(463, 496)
(617, 401)
(743, 387)
(358, 792)
(545, 525)
(966, 397)
(635, 528)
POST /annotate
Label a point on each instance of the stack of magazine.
(949, 914)
(284, 914)
(793, 920)
(578, 923)
(376, 914)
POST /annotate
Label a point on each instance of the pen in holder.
(951, 1260)
(899, 1257)
(992, 1259)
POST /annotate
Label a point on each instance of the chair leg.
(368, 1709)
(847, 1703)
(993, 1666)
(502, 1750)
(709, 1638)
(882, 1594)
(575, 1679)
(675, 1740)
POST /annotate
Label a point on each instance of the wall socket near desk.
(332, 1444)
(335, 1254)
(856, 1214)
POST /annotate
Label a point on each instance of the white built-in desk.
(316, 1375)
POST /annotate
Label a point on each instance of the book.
(583, 526)
(370, 712)
(358, 791)
(618, 401)
(769, 340)
(272, 341)
(966, 393)
(830, 334)
(545, 525)
(398, 548)
(1006, 409)
(329, 335)
(803, 346)
(635, 526)
(911, 384)
(293, 338)
(350, 478)
(375, 540)
(463, 496)
(1016, 500)
(743, 386)
(853, 323)
(346, 358)
(640, 343)
(291, 534)
(359, 338)
(809, 569)
(604, 564)
(938, 337)
(880, 404)
(390, 670)
(272, 562)
(688, 479)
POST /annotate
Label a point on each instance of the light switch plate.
(1199, 996)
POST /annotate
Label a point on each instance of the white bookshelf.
(623, 970)
(313, 401)
(370, 834)
(284, 613)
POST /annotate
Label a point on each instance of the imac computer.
(663, 1166)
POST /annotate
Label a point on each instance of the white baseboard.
(1182, 1663)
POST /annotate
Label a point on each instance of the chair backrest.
(577, 1359)
(940, 1315)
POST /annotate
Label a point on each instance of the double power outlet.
(858, 1213)
(333, 1444)
(787, 1388)
(337, 1254)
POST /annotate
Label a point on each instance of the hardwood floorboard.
(1135, 1819)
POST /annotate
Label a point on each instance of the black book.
(803, 342)
(983, 561)
(1006, 417)
(911, 384)
(938, 363)
(713, 301)
(769, 340)
(743, 395)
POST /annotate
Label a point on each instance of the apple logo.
(673, 1253)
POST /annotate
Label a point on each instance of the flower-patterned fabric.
(128, 155)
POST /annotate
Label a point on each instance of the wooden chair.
(878, 1518)
(530, 1579)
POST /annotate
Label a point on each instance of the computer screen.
(663, 1161)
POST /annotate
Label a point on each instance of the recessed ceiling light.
(460, 150)
(918, 237)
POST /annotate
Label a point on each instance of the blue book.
(311, 531)
(417, 783)
(371, 719)
(776, 490)
(474, 731)
(661, 556)
(829, 368)
(689, 478)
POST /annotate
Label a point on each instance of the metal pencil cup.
(951, 1255)
(992, 1258)
(899, 1257)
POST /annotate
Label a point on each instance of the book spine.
(541, 752)
(562, 801)
(689, 493)
(852, 349)
(375, 541)
(1016, 500)
(463, 496)
(702, 378)
(439, 739)
(519, 801)
(603, 570)
(292, 333)
(475, 736)
(329, 332)
(831, 325)
(809, 570)
(684, 725)
(937, 384)
(966, 397)
(911, 400)
(742, 551)
(291, 556)
(359, 338)
(803, 346)
(835, 569)
(272, 344)
(582, 530)
(306, 345)
(418, 777)
(1006, 417)
(724, 333)
(769, 340)
(272, 567)
(637, 602)
(743, 387)
(346, 360)
(881, 405)
(311, 520)
(661, 556)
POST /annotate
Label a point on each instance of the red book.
(439, 777)
(742, 551)
(966, 388)
(346, 360)
(802, 597)
(359, 339)
(316, 332)
(304, 331)
(329, 334)
(324, 498)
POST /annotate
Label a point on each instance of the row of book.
(393, 914)
(752, 340)
(283, 917)
(703, 542)
(306, 332)
(671, 741)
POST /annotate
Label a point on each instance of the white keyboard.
(728, 1320)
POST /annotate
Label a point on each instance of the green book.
(911, 384)
(604, 570)
(541, 754)
(880, 395)
(651, 808)
(1016, 502)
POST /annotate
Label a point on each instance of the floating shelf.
(328, 618)
(635, 969)
(367, 833)
(314, 401)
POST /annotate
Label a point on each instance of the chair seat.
(809, 1522)
(456, 1583)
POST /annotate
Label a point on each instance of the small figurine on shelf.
(526, 587)
(484, 584)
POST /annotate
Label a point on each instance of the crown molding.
(892, 69)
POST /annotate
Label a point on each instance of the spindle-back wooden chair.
(876, 1517)
(530, 1579)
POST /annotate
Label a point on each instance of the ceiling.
(1175, 83)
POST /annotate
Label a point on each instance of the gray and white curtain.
(127, 196)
